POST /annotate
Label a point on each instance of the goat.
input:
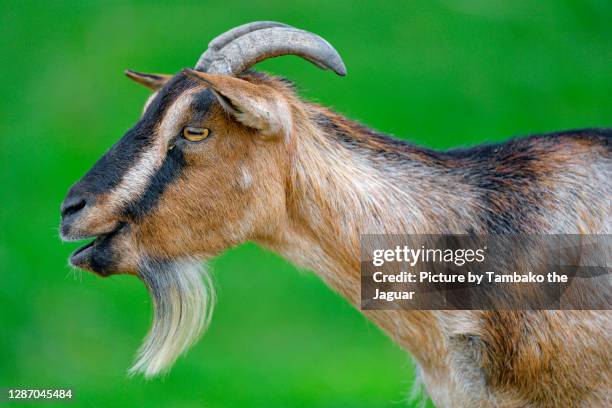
(223, 155)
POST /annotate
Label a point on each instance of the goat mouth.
(82, 256)
(82, 253)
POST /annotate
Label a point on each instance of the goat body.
(347, 180)
(222, 156)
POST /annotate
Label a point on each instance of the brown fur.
(306, 183)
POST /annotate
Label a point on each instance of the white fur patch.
(183, 298)
(246, 178)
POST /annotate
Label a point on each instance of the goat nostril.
(72, 206)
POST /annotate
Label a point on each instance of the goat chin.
(183, 298)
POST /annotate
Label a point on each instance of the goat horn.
(222, 40)
(248, 49)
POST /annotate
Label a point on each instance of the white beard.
(183, 299)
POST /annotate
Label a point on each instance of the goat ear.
(255, 106)
(152, 81)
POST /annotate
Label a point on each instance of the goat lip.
(82, 255)
(69, 234)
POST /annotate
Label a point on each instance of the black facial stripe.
(200, 106)
(173, 164)
(110, 168)
(170, 170)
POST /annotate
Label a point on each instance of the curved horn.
(255, 46)
(222, 40)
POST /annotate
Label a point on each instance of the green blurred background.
(441, 73)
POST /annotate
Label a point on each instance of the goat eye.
(194, 134)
